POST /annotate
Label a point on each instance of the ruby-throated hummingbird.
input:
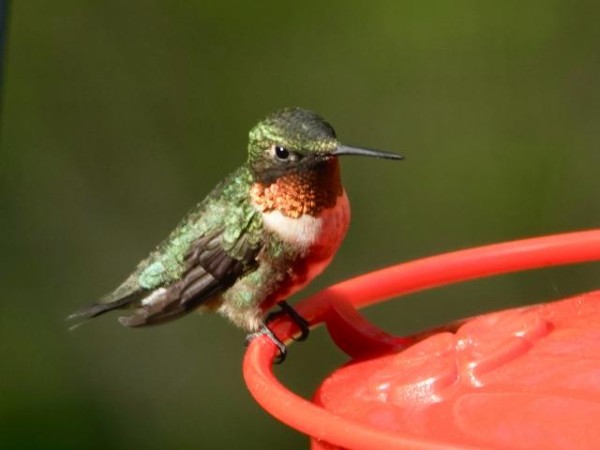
(260, 236)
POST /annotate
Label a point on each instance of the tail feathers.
(99, 308)
(163, 305)
(152, 307)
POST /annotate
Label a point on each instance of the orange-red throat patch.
(304, 192)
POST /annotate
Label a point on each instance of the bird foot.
(293, 314)
(266, 331)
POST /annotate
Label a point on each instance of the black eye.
(281, 153)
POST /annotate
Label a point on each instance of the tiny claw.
(266, 331)
(298, 320)
(273, 315)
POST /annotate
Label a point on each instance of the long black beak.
(344, 150)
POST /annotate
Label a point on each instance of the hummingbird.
(260, 236)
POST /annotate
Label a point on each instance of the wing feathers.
(201, 287)
(209, 271)
(213, 262)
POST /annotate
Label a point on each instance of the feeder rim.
(381, 285)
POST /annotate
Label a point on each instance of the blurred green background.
(119, 116)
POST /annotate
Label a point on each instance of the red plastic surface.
(524, 378)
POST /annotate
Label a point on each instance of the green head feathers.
(295, 139)
(296, 129)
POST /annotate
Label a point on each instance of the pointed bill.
(345, 150)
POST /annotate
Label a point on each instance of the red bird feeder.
(524, 378)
